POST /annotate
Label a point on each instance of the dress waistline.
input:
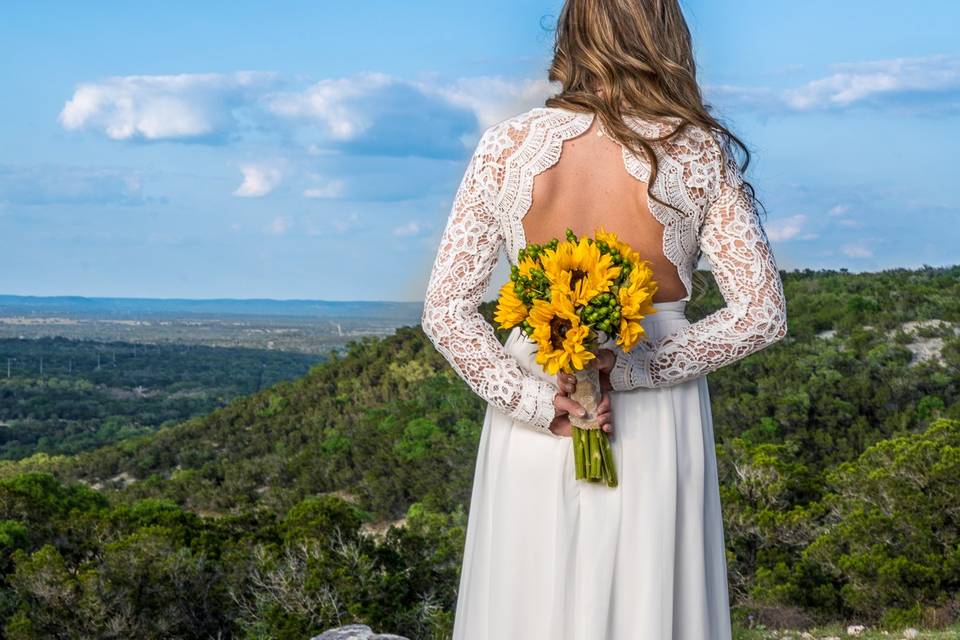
(671, 309)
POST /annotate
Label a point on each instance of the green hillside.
(839, 449)
(64, 396)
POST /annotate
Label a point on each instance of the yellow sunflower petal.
(578, 268)
(526, 265)
(511, 310)
(564, 351)
(630, 332)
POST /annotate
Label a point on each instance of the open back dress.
(548, 556)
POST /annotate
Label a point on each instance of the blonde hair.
(638, 55)
(620, 58)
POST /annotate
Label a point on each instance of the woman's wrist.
(542, 409)
(605, 384)
(631, 370)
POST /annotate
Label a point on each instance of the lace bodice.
(718, 219)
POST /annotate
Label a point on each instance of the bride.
(628, 144)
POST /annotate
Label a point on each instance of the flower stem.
(608, 461)
(594, 454)
(585, 453)
(578, 454)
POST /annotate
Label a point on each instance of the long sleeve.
(746, 273)
(461, 273)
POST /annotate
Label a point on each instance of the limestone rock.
(355, 632)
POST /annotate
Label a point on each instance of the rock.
(355, 632)
(927, 348)
(910, 633)
(855, 630)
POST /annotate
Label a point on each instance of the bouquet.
(569, 297)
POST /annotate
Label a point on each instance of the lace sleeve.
(461, 273)
(746, 273)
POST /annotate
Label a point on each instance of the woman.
(627, 144)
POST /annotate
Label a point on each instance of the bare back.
(589, 187)
(533, 175)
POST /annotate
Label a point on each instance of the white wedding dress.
(551, 557)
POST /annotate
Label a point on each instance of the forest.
(341, 496)
(62, 395)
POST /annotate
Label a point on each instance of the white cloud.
(375, 114)
(279, 226)
(869, 81)
(328, 103)
(408, 229)
(839, 209)
(62, 184)
(494, 99)
(362, 114)
(258, 181)
(729, 95)
(347, 108)
(848, 222)
(164, 107)
(346, 223)
(921, 84)
(326, 226)
(856, 250)
(786, 228)
(326, 190)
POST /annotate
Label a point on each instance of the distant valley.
(304, 326)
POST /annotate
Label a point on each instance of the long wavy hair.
(620, 58)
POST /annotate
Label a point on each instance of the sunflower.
(527, 265)
(630, 332)
(510, 309)
(559, 334)
(579, 270)
(636, 302)
(614, 242)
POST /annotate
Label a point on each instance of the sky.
(312, 149)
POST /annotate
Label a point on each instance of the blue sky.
(312, 149)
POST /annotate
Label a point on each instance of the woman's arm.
(755, 314)
(461, 273)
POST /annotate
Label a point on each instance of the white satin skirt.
(549, 557)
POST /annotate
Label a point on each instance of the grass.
(952, 633)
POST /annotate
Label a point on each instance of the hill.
(838, 450)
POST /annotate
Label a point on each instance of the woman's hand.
(567, 384)
(564, 404)
(605, 413)
(604, 361)
(562, 426)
